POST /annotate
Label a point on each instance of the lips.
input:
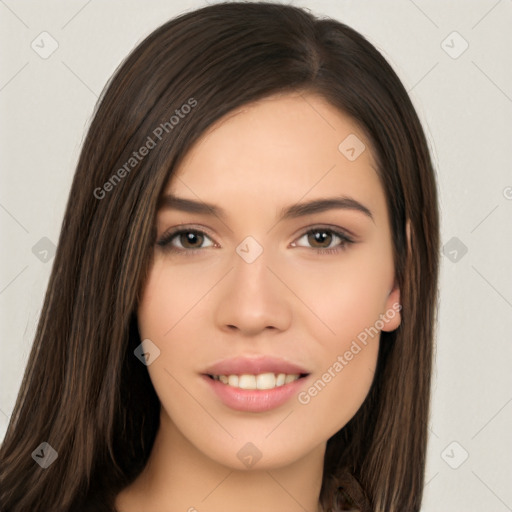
(254, 366)
(291, 377)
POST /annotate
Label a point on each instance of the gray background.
(464, 99)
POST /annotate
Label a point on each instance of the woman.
(257, 369)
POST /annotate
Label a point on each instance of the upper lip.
(254, 366)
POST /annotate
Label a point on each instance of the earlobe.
(392, 317)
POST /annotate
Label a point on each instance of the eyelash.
(167, 238)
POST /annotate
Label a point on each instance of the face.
(258, 286)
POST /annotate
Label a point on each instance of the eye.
(188, 240)
(321, 239)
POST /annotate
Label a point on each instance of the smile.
(261, 381)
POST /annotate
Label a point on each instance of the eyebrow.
(291, 212)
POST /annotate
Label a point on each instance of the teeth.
(281, 378)
(265, 381)
(247, 382)
(261, 381)
(290, 378)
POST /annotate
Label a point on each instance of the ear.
(392, 316)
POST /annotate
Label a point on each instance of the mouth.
(261, 381)
(254, 383)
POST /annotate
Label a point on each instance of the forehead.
(278, 150)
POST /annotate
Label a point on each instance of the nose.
(252, 298)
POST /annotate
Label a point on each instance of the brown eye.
(319, 237)
(190, 238)
(322, 238)
(183, 240)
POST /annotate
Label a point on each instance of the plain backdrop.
(454, 58)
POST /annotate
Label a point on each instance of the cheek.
(342, 304)
(162, 318)
(346, 310)
(169, 297)
(342, 299)
(171, 314)
(167, 304)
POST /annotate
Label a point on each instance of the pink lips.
(254, 400)
(253, 366)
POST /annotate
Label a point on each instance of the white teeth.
(247, 382)
(265, 381)
(290, 378)
(260, 381)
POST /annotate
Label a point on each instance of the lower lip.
(254, 400)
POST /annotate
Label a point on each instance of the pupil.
(190, 237)
(320, 236)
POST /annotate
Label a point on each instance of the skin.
(290, 302)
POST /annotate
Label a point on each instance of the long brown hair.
(84, 392)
